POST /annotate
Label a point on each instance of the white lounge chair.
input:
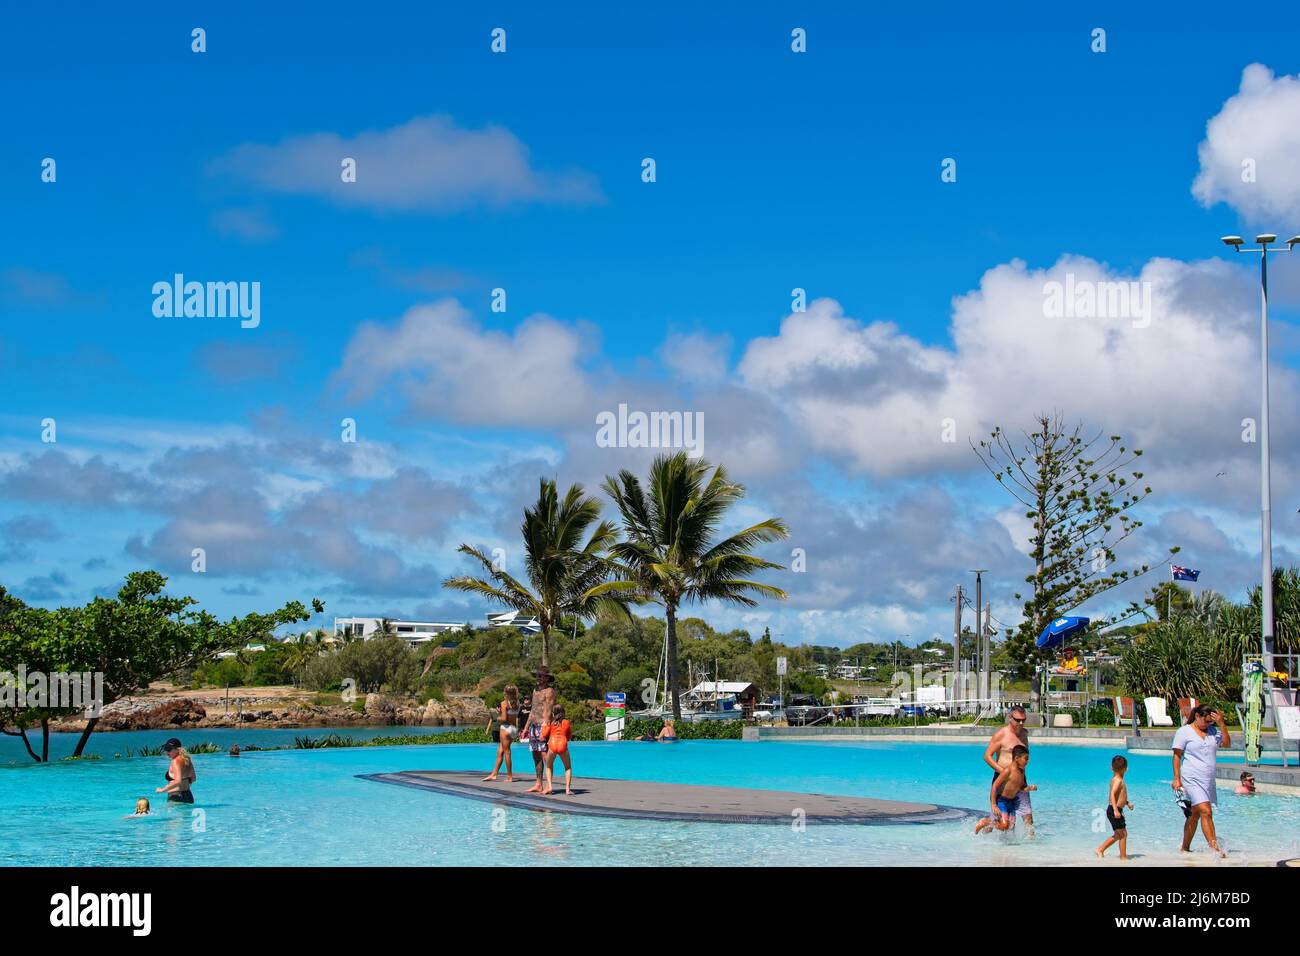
(1156, 716)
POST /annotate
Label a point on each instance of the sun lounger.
(1185, 707)
(1156, 716)
(1123, 710)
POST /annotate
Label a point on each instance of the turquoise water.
(12, 752)
(308, 807)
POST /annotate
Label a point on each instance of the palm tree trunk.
(672, 661)
(546, 647)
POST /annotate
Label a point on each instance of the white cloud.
(696, 356)
(875, 399)
(446, 365)
(426, 164)
(1260, 123)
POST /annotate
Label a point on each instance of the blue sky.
(775, 170)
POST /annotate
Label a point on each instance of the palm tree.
(302, 649)
(669, 549)
(1171, 660)
(565, 576)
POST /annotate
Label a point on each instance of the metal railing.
(812, 715)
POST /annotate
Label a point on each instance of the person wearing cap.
(1196, 748)
(539, 717)
(180, 773)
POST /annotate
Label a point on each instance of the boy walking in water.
(1118, 801)
(1005, 792)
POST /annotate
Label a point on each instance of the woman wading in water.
(180, 773)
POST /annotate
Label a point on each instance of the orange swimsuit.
(558, 741)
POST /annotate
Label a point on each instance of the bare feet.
(492, 777)
(547, 792)
(1101, 854)
(535, 788)
(568, 793)
(509, 779)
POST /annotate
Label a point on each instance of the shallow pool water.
(120, 743)
(309, 807)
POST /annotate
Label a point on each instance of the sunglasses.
(1018, 720)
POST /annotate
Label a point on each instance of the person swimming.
(142, 807)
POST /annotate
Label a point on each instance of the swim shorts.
(536, 742)
(1117, 821)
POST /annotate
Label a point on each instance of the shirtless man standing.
(998, 757)
(539, 714)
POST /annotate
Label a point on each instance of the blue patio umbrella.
(1059, 631)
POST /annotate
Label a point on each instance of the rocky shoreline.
(151, 713)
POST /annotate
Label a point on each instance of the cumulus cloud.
(427, 164)
(55, 477)
(448, 366)
(1176, 374)
(18, 534)
(1248, 156)
(696, 356)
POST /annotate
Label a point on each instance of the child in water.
(141, 807)
(560, 733)
(1006, 788)
(1116, 803)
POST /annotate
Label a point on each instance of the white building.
(529, 625)
(846, 671)
(417, 632)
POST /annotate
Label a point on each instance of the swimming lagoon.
(308, 807)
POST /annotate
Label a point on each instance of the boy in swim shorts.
(1005, 793)
(1117, 801)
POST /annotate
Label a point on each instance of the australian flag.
(1184, 574)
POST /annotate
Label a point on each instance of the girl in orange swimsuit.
(557, 734)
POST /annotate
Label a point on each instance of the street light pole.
(981, 653)
(1265, 495)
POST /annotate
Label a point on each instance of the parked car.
(804, 709)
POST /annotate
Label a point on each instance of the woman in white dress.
(1196, 748)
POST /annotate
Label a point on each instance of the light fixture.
(1266, 238)
(1232, 240)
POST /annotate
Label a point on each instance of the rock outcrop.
(380, 710)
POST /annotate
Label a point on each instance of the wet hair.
(1018, 751)
(1018, 710)
(1118, 763)
(1202, 710)
(1246, 775)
